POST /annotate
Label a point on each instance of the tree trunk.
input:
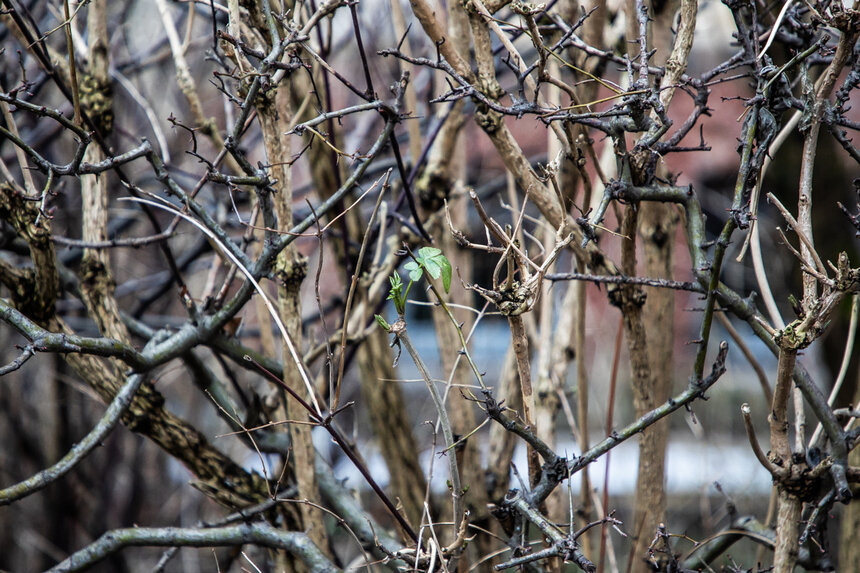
(275, 116)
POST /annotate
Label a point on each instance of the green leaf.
(382, 322)
(433, 268)
(436, 264)
(396, 292)
(445, 265)
(428, 252)
(396, 282)
(415, 270)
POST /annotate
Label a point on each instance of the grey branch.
(296, 543)
(80, 450)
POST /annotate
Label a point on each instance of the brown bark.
(650, 494)
(582, 394)
(501, 441)
(520, 342)
(275, 115)
(787, 530)
(657, 231)
(34, 291)
(788, 505)
(551, 364)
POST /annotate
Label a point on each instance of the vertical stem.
(399, 330)
(582, 394)
(650, 501)
(502, 442)
(73, 72)
(750, 125)
(787, 520)
(788, 506)
(520, 341)
(778, 419)
(546, 386)
(804, 220)
(613, 380)
(97, 284)
(275, 115)
(521, 349)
